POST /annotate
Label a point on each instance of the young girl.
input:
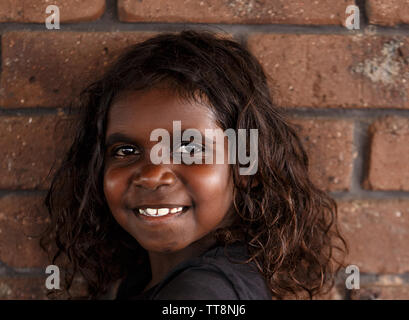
(188, 231)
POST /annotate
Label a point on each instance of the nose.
(153, 177)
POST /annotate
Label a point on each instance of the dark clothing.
(210, 276)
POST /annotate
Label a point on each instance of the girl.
(188, 231)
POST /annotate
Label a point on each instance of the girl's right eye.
(123, 151)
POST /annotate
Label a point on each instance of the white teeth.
(159, 212)
(151, 211)
(162, 212)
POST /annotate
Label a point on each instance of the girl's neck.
(162, 263)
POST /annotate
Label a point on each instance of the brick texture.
(313, 63)
(335, 70)
(381, 293)
(387, 12)
(23, 288)
(31, 146)
(35, 10)
(389, 154)
(331, 12)
(378, 234)
(22, 219)
(383, 287)
(33, 288)
(329, 144)
(47, 69)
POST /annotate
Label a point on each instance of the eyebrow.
(120, 137)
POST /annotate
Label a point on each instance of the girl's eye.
(191, 148)
(125, 151)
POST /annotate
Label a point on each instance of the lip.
(161, 218)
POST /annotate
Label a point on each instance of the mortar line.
(366, 195)
(363, 17)
(347, 113)
(34, 111)
(103, 25)
(109, 21)
(303, 112)
(20, 192)
(361, 150)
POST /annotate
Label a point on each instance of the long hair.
(289, 225)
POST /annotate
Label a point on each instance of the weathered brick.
(35, 10)
(387, 12)
(335, 70)
(377, 287)
(329, 144)
(22, 220)
(389, 154)
(377, 232)
(23, 288)
(48, 69)
(331, 12)
(31, 146)
(33, 288)
(381, 293)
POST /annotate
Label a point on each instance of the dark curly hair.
(289, 225)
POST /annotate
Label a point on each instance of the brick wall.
(347, 91)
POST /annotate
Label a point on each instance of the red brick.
(377, 232)
(386, 287)
(22, 219)
(381, 293)
(329, 144)
(332, 12)
(23, 288)
(387, 12)
(335, 70)
(35, 10)
(48, 69)
(389, 154)
(33, 288)
(30, 146)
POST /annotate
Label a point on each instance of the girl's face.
(133, 182)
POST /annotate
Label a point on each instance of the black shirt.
(214, 275)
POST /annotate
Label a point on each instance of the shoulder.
(216, 275)
(197, 283)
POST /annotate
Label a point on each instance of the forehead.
(157, 108)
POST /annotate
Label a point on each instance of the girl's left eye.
(121, 151)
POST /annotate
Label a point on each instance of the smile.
(160, 211)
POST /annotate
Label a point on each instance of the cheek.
(114, 187)
(212, 186)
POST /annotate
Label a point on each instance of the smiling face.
(132, 184)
